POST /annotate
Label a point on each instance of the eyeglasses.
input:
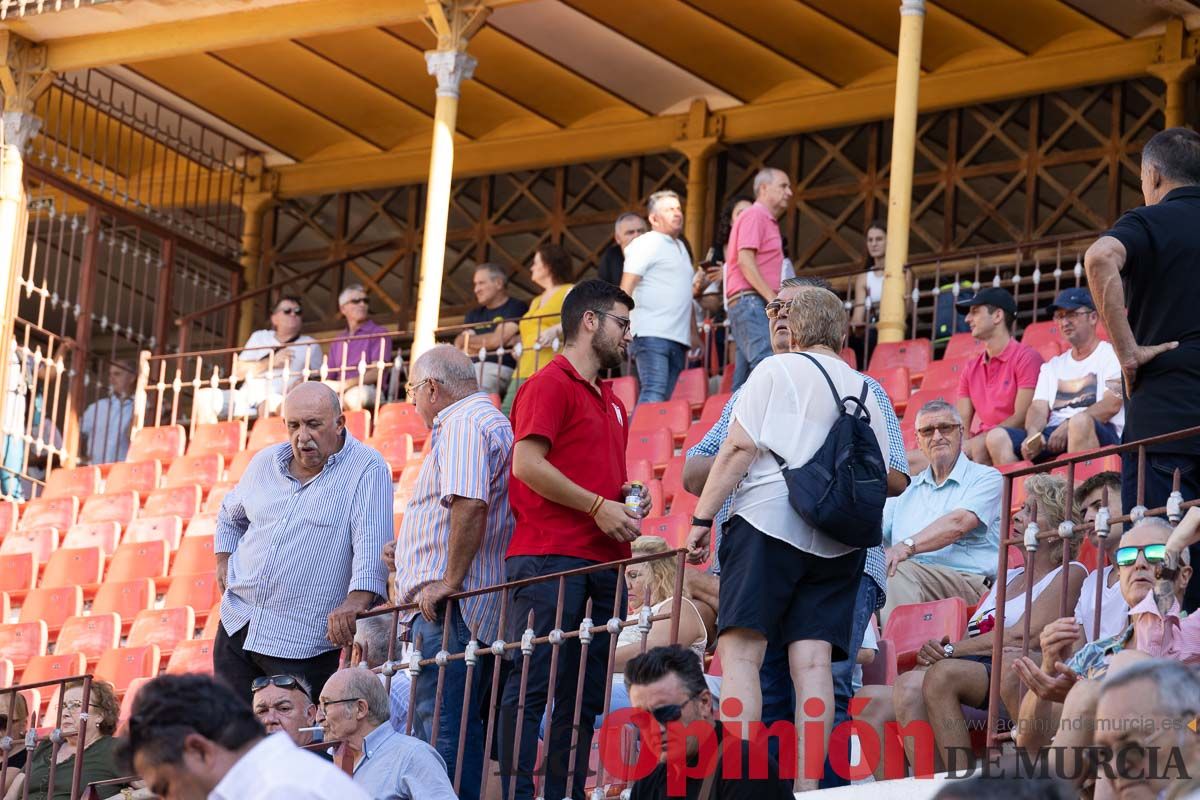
(75, 705)
(411, 388)
(671, 713)
(325, 704)
(282, 681)
(777, 307)
(1127, 556)
(1061, 316)
(945, 430)
(357, 301)
(290, 311)
(622, 321)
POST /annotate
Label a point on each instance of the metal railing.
(31, 692)
(21, 8)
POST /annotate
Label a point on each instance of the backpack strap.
(837, 398)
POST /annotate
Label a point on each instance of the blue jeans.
(843, 671)
(450, 712)
(658, 362)
(751, 335)
(13, 464)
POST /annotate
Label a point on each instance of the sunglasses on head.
(282, 681)
(1126, 556)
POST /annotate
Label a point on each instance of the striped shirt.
(876, 565)
(469, 455)
(297, 550)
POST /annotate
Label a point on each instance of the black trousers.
(1160, 477)
(238, 667)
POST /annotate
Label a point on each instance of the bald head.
(315, 423)
(355, 703)
(444, 375)
(310, 396)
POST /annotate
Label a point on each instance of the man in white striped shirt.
(297, 544)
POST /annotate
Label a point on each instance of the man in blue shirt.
(944, 531)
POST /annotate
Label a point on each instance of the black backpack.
(842, 489)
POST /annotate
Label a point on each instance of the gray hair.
(817, 317)
(940, 407)
(658, 197)
(495, 270)
(376, 633)
(629, 215)
(365, 684)
(345, 293)
(1177, 685)
(764, 176)
(450, 367)
(1160, 523)
(816, 283)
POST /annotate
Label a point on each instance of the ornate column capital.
(19, 128)
(24, 74)
(451, 68)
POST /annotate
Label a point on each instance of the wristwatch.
(911, 545)
(697, 522)
(948, 650)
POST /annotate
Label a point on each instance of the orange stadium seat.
(125, 598)
(90, 635)
(655, 489)
(39, 541)
(266, 432)
(639, 469)
(78, 482)
(54, 668)
(726, 385)
(5, 606)
(199, 592)
(694, 435)
(672, 480)
(684, 503)
(21, 642)
(674, 415)
(895, 381)
(164, 627)
(9, 512)
(195, 556)
(194, 655)
(238, 464)
(216, 496)
(138, 560)
(52, 512)
(52, 606)
(910, 626)
(127, 701)
(7, 673)
(943, 375)
(1094, 466)
(692, 387)
(164, 442)
(201, 525)
(912, 353)
(1018, 484)
(121, 666)
(400, 418)
(359, 424)
(205, 470)
(395, 447)
(962, 346)
(149, 529)
(142, 477)
(105, 535)
(218, 438)
(674, 528)
(76, 566)
(626, 390)
(711, 412)
(120, 507)
(655, 446)
(18, 571)
(213, 624)
(1045, 338)
(179, 501)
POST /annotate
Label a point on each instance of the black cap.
(991, 296)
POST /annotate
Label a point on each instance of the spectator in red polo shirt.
(996, 387)
(567, 492)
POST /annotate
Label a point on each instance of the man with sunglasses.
(284, 703)
(1073, 408)
(567, 490)
(349, 350)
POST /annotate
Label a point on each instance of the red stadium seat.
(215, 498)
(52, 606)
(397, 418)
(692, 387)
(149, 529)
(127, 701)
(54, 668)
(910, 626)
(218, 438)
(626, 390)
(18, 571)
(395, 447)
(195, 655)
(39, 541)
(138, 560)
(120, 508)
(1094, 466)
(238, 464)
(90, 635)
(685, 504)
(359, 424)
(912, 353)
(78, 482)
(962, 346)
(77, 566)
(125, 598)
(672, 479)
(142, 477)
(121, 666)
(713, 406)
(655, 446)
(163, 627)
(199, 592)
(727, 378)
(908, 425)
(7, 673)
(1018, 484)
(1045, 338)
(674, 528)
(21, 642)
(943, 375)
(179, 501)
(213, 624)
(657, 503)
(693, 437)
(164, 442)
(9, 512)
(105, 535)
(639, 470)
(205, 470)
(674, 415)
(266, 432)
(895, 381)
(50, 512)
(195, 556)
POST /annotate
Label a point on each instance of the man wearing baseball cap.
(1073, 408)
(996, 387)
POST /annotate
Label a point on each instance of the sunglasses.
(357, 301)
(777, 307)
(282, 681)
(1155, 554)
(671, 713)
(945, 430)
(290, 311)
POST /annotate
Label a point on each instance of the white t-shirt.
(1070, 386)
(1114, 611)
(662, 299)
(785, 406)
(261, 342)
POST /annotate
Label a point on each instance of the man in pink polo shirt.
(996, 387)
(754, 269)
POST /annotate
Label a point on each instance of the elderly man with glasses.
(284, 703)
(355, 359)
(943, 531)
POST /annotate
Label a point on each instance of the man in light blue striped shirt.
(454, 536)
(298, 543)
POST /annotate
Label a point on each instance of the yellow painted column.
(698, 152)
(891, 326)
(1175, 76)
(251, 313)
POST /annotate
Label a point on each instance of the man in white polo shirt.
(658, 274)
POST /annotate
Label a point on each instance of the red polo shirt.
(991, 384)
(587, 430)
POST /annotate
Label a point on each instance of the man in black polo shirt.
(1145, 276)
(483, 341)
